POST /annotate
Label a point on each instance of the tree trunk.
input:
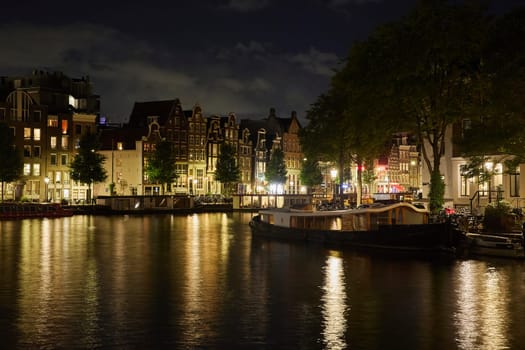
(359, 183)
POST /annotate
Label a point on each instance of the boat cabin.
(365, 219)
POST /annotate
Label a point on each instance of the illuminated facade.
(48, 113)
(267, 134)
(197, 180)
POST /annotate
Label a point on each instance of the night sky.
(226, 55)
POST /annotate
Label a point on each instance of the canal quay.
(200, 280)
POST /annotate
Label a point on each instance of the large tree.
(311, 173)
(438, 77)
(276, 172)
(326, 137)
(87, 165)
(11, 168)
(161, 165)
(418, 74)
(348, 124)
(227, 170)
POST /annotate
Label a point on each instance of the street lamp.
(46, 180)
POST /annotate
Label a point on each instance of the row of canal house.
(48, 112)
(196, 141)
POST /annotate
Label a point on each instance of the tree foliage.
(161, 165)
(227, 170)
(438, 76)
(87, 165)
(499, 127)
(349, 123)
(12, 162)
(276, 168)
(311, 173)
(422, 74)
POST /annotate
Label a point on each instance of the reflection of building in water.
(482, 316)
(334, 304)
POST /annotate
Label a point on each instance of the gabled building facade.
(197, 180)
(197, 142)
(48, 113)
(268, 134)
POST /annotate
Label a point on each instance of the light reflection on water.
(334, 303)
(201, 281)
(483, 314)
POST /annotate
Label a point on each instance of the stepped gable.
(142, 110)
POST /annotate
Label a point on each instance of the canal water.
(202, 282)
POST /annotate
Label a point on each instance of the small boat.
(495, 244)
(400, 226)
(14, 210)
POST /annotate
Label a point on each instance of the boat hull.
(13, 211)
(416, 238)
(495, 245)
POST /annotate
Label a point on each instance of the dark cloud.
(241, 56)
(247, 78)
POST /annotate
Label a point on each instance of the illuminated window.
(58, 177)
(53, 142)
(27, 169)
(36, 169)
(52, 121)
(36, 134)
(65, 177)
(465, 185)
(73, 101)
(27, 133)
(64, 127)
(65, 142)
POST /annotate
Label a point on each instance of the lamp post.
(46, 180)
